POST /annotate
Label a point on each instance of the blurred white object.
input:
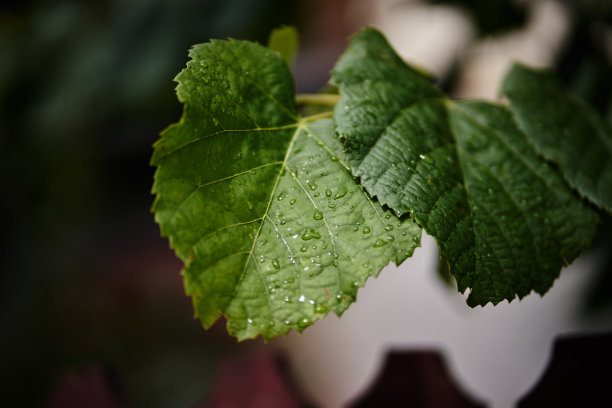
(432, 37)
(537, 44)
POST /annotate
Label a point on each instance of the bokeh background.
(88, 285)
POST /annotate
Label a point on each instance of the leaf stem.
(322, 115)
(317, 99)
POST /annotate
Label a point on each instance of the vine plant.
(279, 218)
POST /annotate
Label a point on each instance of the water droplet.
(250, 205)
(328, 192)
(320, 309)
(303, 323)
(317, 215)
(389, 227)
(390, 238)
(303, 249)
(317, 194)
(379, 243)
(281, 196)
(301, 299)
(275, 263)
(292, 201)
(312, 185)
(333, 158)
(283, 222)
(310, 234)
(356, 228)
(341, 192)
(366, 229)
(249, 320)
(261, 258)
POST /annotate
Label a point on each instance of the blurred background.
(88, 286)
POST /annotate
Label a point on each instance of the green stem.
(322, 115)
(317, 99)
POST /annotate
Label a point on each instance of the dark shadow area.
(578, 374)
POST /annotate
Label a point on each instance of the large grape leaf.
(258, 202)
(503, 218)
(563, 129)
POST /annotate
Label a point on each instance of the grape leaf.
(273, 229)
(563, 129)
(503, 218)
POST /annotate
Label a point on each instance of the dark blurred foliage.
(491, 16)
(586, 67)
(85, 89)
(578, 374)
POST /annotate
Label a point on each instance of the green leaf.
(286, 42)
(258, 202)
(563, 129)
(503, 218)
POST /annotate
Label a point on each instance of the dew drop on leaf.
(310, 234)
(379, 243)
(303, 323)
(320, 308)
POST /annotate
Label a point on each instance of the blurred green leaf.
(286, 42)
(563, 129)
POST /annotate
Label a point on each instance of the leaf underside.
(503, 218)
(273, 229)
